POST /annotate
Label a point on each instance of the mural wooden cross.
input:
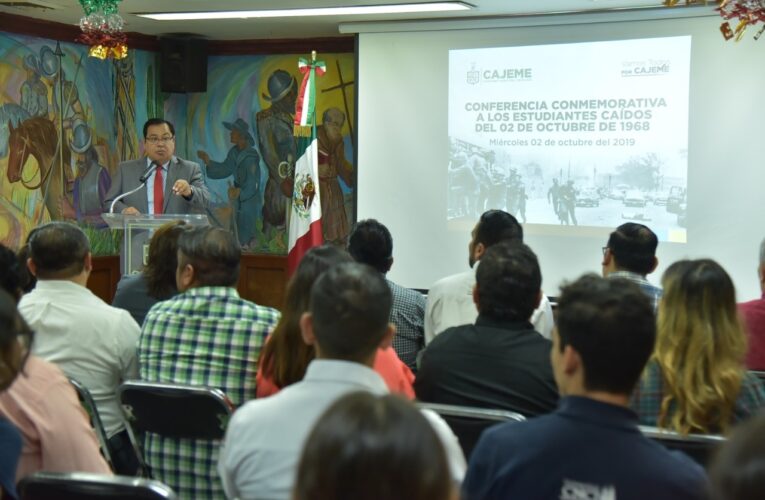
(341, 86)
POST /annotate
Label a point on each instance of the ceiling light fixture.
(404, 8)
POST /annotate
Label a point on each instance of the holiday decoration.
(747, 12)
(102, 29)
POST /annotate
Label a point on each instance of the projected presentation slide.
(585, 134)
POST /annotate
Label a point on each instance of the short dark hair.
(162, 260)
(10, 272)
(611, 324)
(497, 225)
(350, 304)
(738, 469)
(373, 447)
(13, 329)
(157, 121)
(371, 243)
(633, 246)
(58, 250)
(508, 280)
(214, 253)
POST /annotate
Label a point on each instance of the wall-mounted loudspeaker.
(183, 65)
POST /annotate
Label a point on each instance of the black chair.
(468, 422)
(700, 447)
(87, 402)
(174, 411)
(83, 486)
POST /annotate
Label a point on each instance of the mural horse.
(38, 137)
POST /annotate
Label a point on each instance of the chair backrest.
(468, 422)
(84, 486)
(175, 411)
(87, 402)
(699, 447)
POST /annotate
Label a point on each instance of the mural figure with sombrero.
(243, 162)
(277, 145)
(34, 93)
(92, 181)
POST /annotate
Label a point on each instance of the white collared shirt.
(150, 182)
(88, 339)
(265, 437)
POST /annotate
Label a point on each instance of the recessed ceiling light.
(403, 8)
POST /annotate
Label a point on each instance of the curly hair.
(700, 348)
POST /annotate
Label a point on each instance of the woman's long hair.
(162, 260)
(700, 348)
(285, 356)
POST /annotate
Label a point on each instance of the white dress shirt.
(265, 437)
(88, 339)
(450, 303)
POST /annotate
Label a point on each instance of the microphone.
(144, 177)
(147, 173)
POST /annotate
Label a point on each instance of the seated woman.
(136, 293)
(285, 356)
(11, 361)
(373, 447)
(696, 381)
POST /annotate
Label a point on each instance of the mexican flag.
(305, 217)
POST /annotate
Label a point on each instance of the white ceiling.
(70, 11)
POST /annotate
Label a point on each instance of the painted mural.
(67, 120)
(240, 132)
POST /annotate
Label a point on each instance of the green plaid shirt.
(207, 336)
(646, 400)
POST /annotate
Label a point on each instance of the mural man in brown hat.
(277, 145)
(243, 162)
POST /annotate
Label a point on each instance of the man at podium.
(172, 185)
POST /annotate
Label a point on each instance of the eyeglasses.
(157, 140)
(605, 249)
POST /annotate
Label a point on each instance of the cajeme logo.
(651, 67)
(475, 76)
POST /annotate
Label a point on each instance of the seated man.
(753, 313)
(205, 336)
(88, 339)
(450, 299)
(371, 243)
(347, 321)
(590, 447)
(631, 254)
(500, 361)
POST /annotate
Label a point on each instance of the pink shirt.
(754, 318)
(397, 376)
(56, 430)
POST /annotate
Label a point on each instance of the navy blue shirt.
(10, 450)
(585, 449)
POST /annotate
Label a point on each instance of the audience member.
(696, 380)
(347, 322)
(738, 470)
(375, 448)
(285, 356)
(754, 319)
(12, 328)
(590, 447)
(28, 280)
(371, 243)
(86, 338)
(631, 254)
(500, 361)
(450, 300)
(42, 404)
(137, 293)
(206, 336)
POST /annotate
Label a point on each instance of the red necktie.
(159, 193)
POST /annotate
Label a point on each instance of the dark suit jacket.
(127, 178)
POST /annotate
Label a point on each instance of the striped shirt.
(653, 292)
(408, 314)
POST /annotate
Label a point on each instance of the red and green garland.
(102, 29)
(747, 12)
